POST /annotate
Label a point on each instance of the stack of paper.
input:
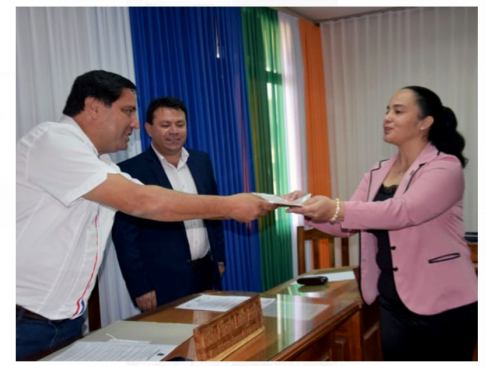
(114, 350)
(127, 341)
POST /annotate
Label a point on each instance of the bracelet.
(336, 213)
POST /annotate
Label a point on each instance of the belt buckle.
(195, 264)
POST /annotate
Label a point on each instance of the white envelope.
(277, 200)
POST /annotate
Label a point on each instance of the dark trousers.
(447, 336)
(36, 335)
(203, 274)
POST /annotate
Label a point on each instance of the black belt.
(31, 315)
(198, 263)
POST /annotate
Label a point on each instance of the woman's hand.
(295, 195)
(318, 208)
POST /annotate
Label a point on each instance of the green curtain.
(264, 78)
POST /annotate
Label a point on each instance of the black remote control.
(312, 280)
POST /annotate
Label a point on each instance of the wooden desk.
(334, 334)
(343, 329)
(357, 340)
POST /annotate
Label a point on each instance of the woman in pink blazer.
(408, 212)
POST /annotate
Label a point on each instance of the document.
(266, 301)
(115, 350)
(277, 200)
(339, 276)
(145, 341)
(213, 303)
(220, 303)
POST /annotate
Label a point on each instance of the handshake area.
(280, 201)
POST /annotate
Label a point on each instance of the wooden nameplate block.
(229, 331)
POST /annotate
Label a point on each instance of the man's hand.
(147, 301)
(162, 204)
(221, 269)
(246, 207)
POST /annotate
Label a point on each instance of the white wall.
(368, 58)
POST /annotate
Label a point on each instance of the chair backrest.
(317, 239)
(474, 254)
(474, 251)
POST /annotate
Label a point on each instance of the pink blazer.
(433, 270)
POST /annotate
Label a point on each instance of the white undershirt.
(181, 179)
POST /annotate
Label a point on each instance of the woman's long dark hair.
(443, 132)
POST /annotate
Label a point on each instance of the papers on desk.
(271, 307)
(213, 303)
(127, 341)
(219, 303)
(340, 276)
(277, 200)
(266, 301)
(114, 351)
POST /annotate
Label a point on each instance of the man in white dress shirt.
(164, 261)
(68, 192)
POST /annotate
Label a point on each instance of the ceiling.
(318, 14)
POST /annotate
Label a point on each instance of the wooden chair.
(474, 254)
(317, 238)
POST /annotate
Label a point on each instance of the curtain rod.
(317, 22)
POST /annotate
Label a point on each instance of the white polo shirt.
(61, 236)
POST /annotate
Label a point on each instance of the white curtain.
(54, 45)
(368, 58)
(294, 104)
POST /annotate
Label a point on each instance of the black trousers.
(447, 336)
(203, 274)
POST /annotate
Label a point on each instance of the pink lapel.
(378, 175)
(429, 152)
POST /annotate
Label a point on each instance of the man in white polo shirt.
(68, 192)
